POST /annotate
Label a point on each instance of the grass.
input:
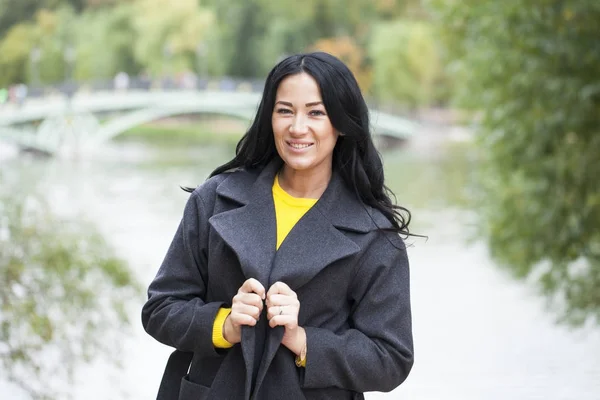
(184, 133)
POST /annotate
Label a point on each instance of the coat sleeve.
(376, 353)
(176, 313)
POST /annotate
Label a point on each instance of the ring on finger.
(280, 310)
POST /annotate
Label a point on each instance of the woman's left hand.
(282, 309)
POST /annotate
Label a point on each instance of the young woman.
(287, 277)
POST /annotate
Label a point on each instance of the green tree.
(247, 30)
(169, 34)
(55, 39)
(406, 70)
(532, 70)
(394, 9)
(104, 40)
(13, 12)
(15, 50)
(63, 293)
(46, 35)
(237, 37)
(240, 43)
(49, 35)
(253, 35)
(91, 4)
(321, 19)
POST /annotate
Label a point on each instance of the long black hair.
(355, 157)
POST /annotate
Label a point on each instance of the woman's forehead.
(301, 88)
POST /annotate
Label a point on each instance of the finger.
(238, 319)
(246, 309)
(251, 299)
(289, 321)
(291, 308)
(252, 285)
(281, 300)
(274, 311)
(280, 288)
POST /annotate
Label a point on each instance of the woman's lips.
(299, 145)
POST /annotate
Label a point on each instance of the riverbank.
(191, 130)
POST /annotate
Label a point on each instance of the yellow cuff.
(301, 358)
(302, 363)
(217, 334)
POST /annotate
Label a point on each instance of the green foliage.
(169, 34)
(407, 69)
(54, 36)
(241, 38)
(49, 34)
(63, 293)
(104, 41)
(533, 71)
(15, 54)
(14, 12)
(245, 39)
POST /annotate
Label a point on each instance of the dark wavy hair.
(355, 157)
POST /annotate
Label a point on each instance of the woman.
(287, 278)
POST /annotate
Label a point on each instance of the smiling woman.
(304, 136)
(287, 277)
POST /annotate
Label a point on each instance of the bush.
(533, 70)
(63, 294)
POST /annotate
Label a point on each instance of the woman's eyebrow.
(287, 103)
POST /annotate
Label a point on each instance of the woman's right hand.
(246, 307)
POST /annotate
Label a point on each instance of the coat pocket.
(192, 391)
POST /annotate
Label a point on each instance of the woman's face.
(303, 133)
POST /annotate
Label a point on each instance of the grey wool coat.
(351, 279)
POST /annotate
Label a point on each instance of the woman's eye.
(284, 111)
(317, 113)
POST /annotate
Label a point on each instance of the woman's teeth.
(300, 145)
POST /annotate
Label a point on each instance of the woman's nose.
(299, 125)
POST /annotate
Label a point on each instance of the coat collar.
(314, 242)
(338, 204)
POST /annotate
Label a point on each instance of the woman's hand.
(282, 309)
(246, 307)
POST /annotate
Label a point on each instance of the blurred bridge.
(51, 122)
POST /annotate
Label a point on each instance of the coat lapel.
(250, 230)
(315, 242)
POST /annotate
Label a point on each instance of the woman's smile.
(299, 146)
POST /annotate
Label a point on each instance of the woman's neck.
(304, 184)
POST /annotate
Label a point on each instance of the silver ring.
(280, 310)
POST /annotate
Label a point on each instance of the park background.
(502, 174)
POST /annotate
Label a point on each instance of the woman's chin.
(298, 164)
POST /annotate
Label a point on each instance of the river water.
(478, 333)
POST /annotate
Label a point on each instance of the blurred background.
(486, 114)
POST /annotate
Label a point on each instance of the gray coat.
(352, 282)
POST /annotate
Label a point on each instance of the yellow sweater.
(288, 211)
